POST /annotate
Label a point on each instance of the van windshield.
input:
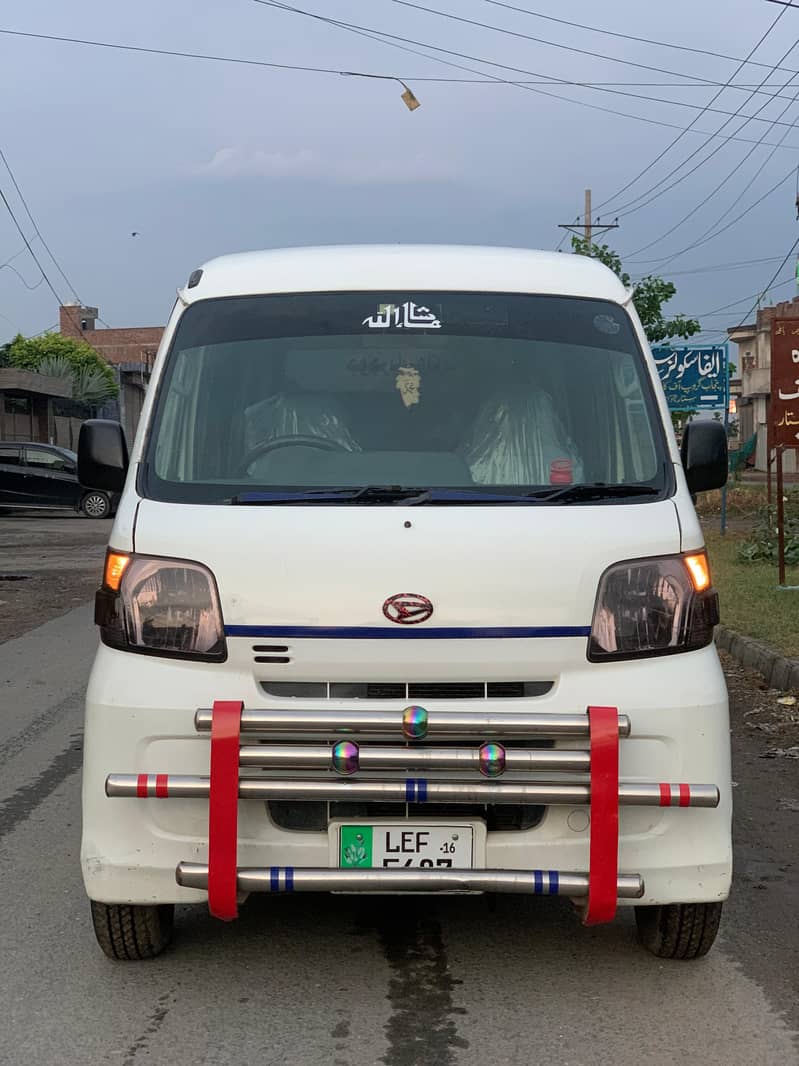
(481, 392)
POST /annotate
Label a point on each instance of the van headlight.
(649, 607)
(167, 607)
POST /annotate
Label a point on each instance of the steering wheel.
(323, 444)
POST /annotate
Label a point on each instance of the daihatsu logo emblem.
(407, 608)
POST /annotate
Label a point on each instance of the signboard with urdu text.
(784, 408)
(694, 377)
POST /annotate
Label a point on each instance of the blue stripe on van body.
(407, 632)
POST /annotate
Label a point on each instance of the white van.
(406, 593)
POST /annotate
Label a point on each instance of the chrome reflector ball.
(345, 757)
(414, 723)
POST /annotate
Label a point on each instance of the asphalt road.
(352, 982)
(50, 561)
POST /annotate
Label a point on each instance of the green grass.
(750, 600)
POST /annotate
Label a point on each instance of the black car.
(44, 475)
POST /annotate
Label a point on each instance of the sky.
(201, 158)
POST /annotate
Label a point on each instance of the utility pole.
(587, 216)
(590, 227)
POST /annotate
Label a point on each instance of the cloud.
(241, 162)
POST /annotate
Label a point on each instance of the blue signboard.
(694, 378)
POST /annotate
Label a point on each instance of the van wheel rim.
(95, 506)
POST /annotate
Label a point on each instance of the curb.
(779, 671)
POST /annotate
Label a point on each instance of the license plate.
(390, 846)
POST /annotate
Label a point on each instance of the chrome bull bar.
(277, 879)
(413, 723)
(406, 790)
(342, 759)
(347, 757)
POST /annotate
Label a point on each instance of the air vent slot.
(271, 653)
(458, 690)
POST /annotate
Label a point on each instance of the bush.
(761, 544)
(93, 380)
(743, 500)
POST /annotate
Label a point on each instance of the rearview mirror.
(102, 455)
(704, 456)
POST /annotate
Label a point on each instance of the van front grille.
(402, 690)
(315, 815)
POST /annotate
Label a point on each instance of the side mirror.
(102, 455)
(704, 455)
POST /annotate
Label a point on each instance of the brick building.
(130, 351)
(754, 364)
(117, 346)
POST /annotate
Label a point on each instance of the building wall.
(137, 344)
(130, 351)
(754, 362)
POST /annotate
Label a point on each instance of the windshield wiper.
(597, 490)
(366, 494)
(404, 495)
(409, 496)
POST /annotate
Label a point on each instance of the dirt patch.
(760, 928)
(771, 717)
(50, 562)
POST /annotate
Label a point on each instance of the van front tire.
(678, 930)
(130, 932)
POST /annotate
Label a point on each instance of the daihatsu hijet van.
(406, 594)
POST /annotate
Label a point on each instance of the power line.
(712, 231)
(30, 288)
(697, 81)
(677, 139)
(36, 229)
(377, 34)
(394, 40)
(791, 250)
(730, 174)
(716, 268)
(537, 40)
(379, 37)
(731, 223)
(628, 36)
(639, 202)
(481, 79)
(745, 299)
(28, 245)
(195, 55)
(210, 57)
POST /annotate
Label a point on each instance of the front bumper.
(140, 720)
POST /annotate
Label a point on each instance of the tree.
(93, 380)
(649, 295)
(90, 384)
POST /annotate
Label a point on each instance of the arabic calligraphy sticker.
(408, 315)
(409, 384)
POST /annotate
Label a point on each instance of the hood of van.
(322, 571)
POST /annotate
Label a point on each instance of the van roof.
(409, 267)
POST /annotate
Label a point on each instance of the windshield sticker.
(409, 384)
(374, 365)
(409, 315)
(606, 324)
